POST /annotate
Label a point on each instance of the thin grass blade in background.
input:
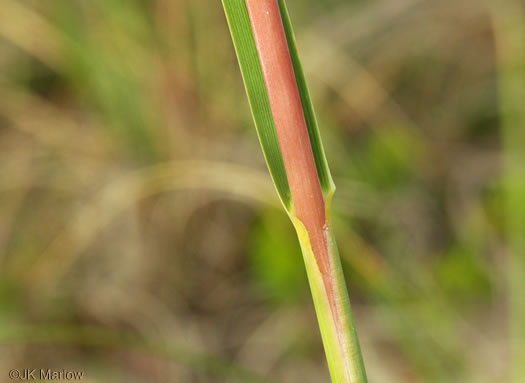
(509, 27)
(285, 121)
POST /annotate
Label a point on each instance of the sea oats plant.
(285, 121)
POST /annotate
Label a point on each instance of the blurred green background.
(141, 239)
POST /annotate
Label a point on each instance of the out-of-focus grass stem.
(509, 30)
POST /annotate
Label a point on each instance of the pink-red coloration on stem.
(292, 133)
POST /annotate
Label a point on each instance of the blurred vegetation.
(140, 236)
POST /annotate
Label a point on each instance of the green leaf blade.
(244, 43)
(323, 171)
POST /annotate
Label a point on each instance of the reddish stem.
(292, 134)
(289, 121)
